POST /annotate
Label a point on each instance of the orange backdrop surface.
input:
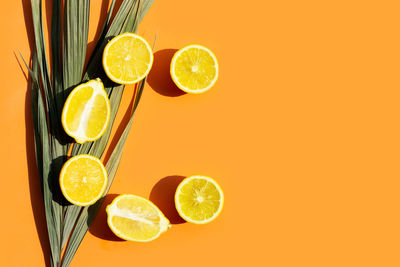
(301, 131)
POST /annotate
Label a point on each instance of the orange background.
(301, 131)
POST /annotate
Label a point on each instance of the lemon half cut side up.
(127, 58)
(83, 180)
(194, 69)
(199, 199)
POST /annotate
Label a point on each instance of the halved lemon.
(194, 69)
(135, 218)
(83, 180)
(86, 112)
(127, 58)
(199, 199)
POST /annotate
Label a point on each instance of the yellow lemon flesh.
(83, 180)
(127, 58)
(194, 69)
(86, 112)
(199, 199)
(135, 218)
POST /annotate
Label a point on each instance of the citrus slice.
(86, 112)
(83, 180)
(127, 58)
(135, 218)
(194, 69)
(199, 199)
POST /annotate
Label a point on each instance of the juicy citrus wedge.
(127, 58)
(83, 180)
(86, 112)
(194, 69)
(135, 218)
(199, 199)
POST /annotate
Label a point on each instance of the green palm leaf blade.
(43, 157)
(115, 91)
(76, 28)
(44, 125)
(125, 20)
(67, 224)
(75, 36)
(55, 39)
